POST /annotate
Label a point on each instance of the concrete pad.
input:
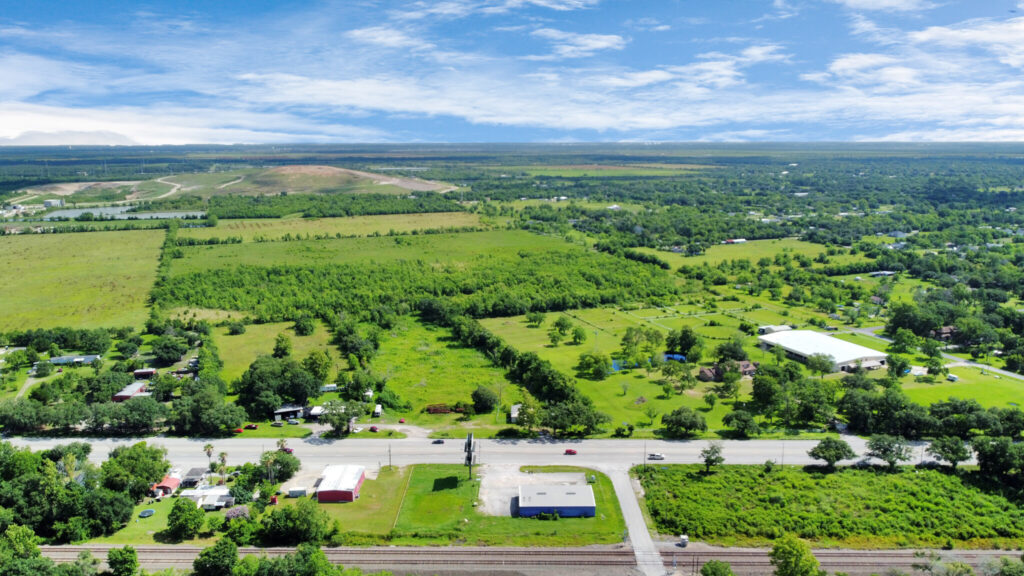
(499, 485)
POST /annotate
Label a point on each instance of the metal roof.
(340, 477)
(550, 495)
(807, 342)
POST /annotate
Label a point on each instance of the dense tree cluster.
(325, 205)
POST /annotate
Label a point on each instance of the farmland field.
(430, 248)
(272, 229)
(79, 280)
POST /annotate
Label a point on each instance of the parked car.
(655, 456)
(277, 424)
(570, 452)
(401, 420)
(438, 441)
(286, 449)
(147, 513)
(373, 428)
(251, 426)
(238, 430)
(293, 421)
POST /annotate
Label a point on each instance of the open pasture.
(429, 248)
(80, 280)
(752, 250)
(240, 350)
(273, 229)
(987, 388)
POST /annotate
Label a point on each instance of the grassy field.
(753, 250)
(603, 171)
(425, 366)
(239, 351)
(80, 280)
(291, 179)
(988, 389)
(272, 229)
(852, 508)
(146, 531)
(432, 248)
(628, 394)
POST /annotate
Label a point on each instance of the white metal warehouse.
(800, 344)
(570, 500)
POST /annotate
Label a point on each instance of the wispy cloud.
(573, 45)
(887, 5)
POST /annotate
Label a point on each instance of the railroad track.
(182, 556)
(755, 562)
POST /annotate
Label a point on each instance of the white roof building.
(341, 477)
(801, 344)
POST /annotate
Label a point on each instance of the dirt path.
(174, 188)
(29, 383)
(235, 181)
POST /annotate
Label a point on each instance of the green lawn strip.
(853, 508)
(376, 509)
(85, 280)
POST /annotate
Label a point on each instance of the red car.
(251, 426)
(570, 452)
(373, 428)
(287, 450)
(238, 430)
(401, 420)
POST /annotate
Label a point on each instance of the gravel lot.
(499, 484)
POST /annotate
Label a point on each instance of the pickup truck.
(655, 456)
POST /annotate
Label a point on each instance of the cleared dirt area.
(69, 188)
(413, 184)
(499, 485)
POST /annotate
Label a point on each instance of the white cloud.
(887, 5)
(572, 45)
(1005, 39)
(387, 37)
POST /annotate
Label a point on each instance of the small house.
(569, 501)
(193, 477)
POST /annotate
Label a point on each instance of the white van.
(377, 411)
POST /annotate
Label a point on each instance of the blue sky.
(511, 71)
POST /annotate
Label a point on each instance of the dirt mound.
(313, 170)
(412, 184)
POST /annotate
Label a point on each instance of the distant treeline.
(319, 206)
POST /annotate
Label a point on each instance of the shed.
(130, 391)
(340, 483)
(168, 485)
(288, 411)
(569, 500)
(513, 413)
(144, 373)
(193, 477)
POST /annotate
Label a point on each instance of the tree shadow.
(446, 483)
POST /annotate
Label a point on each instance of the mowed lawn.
(460, 247)
(80, 280)
(988, 389)
(273, 229)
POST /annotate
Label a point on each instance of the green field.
(273, 229)
(430, 248)
(988, 389)
(239, 351)
(851, 508)
(425, 366)
(603, 171)
(80, 280)
(605, 327)
(752, 250)
(290, 179)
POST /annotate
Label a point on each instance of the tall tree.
(792, 556)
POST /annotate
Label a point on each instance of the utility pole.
(389, 455)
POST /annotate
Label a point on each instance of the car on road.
(147, 513)
(655, 456)
(251, 426)
(238, 430)
(277, 424)
(293, 421)
(286, 449)
(438, 441)
(373, 428)
(401, 420)
(570, 452)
